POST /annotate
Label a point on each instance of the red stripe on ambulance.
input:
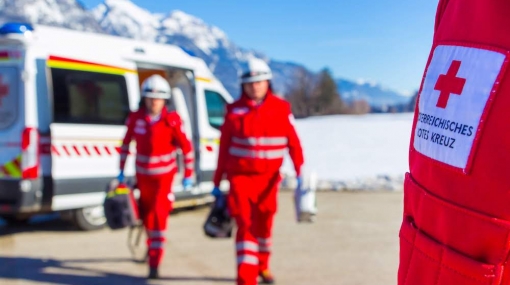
(87, 150)
(55, 150)
(84, 150)
(76, 150)
(66, 150)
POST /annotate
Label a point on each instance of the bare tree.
(300, 94)
(315, 95)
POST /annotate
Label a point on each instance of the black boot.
(153, 273)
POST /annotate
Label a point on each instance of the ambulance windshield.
(9, 98)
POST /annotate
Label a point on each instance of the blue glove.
(216, 192)
(187, 183)
(120, 178)
(220, 199)
(299, 181)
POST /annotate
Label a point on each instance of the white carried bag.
(305, 199)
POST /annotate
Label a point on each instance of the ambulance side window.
(9, 97)
(215, 108)
(82, 97)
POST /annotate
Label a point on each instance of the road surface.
(353, 242)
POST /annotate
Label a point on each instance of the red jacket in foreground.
(456, 227)
(156, 144)
(255, 138)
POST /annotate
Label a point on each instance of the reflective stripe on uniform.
(247, 259)
(261, 141)
(189, 160)
(264, 244)
(156, 244)
(267, 154)
(156, 234)
(247, 245)
(155, 170)
(155, 158)
(264, 240)
(265, 248)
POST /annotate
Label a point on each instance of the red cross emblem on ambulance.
(4, 90)
(459, 83)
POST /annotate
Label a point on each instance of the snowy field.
(356, 152)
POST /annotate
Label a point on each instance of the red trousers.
(253, 202)
(155, 207)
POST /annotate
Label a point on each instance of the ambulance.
(64, 99)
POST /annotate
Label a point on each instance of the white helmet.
(257, 70)
(156, 87)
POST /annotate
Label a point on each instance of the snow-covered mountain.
(62, 13)
(224, 58)
(377, 95)
(126, 19)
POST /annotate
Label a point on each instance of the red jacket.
(156, 144)
(456, 227)
(254, 138)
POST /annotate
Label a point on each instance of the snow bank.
(355, 152)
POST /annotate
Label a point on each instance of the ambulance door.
(12, 125)
(183, 101)
(211, 102)
(90, 106)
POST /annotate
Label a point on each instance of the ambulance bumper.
(20, 196)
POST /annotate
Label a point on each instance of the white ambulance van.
(64, 98)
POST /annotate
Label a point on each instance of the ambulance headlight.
(16, 28)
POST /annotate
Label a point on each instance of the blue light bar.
(188, 51)
(15, 28)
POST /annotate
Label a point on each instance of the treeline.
(317, 95)
(399, 108)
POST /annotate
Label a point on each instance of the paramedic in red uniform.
(456, 222)
(157, 133)
(257, 131)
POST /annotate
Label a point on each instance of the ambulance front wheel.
(90, 218)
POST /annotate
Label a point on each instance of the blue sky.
(383, 41)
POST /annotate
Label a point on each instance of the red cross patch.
(449, 84)
(458, 84)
